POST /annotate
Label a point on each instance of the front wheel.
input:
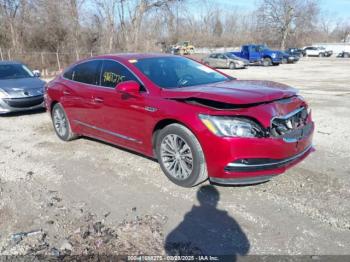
(61, 123)
(181, 156)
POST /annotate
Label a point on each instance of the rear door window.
(114, 73)
(87, 72)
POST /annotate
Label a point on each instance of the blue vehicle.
(260, 54)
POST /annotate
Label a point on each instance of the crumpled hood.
(30, 86)
(237, 92)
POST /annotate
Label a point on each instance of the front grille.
(292, 126)
(24, 102)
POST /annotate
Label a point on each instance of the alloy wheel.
(176, 156)
(60, 122)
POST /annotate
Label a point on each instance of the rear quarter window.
(68, 74)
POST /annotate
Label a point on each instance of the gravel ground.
(86, 197)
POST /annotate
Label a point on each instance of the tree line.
(105, 26)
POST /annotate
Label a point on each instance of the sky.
(334, 8)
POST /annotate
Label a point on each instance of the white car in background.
(314, 51)
(317, 51)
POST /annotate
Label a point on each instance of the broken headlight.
(231, 126)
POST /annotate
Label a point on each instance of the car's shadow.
(23, 113)
(207, 230)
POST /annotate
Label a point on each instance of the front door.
(121, 117)
(222, 61)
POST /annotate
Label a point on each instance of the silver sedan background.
(20, 88)
(225, 60)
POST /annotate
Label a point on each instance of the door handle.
(66, 92)
(98, 100)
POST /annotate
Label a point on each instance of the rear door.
(78, 91)
(213, 60)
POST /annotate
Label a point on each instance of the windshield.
(13, 71)
(174, 72)
(230, 55)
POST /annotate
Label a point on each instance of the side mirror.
(36, 73)
(128, 87)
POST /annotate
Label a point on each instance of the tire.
(346, 55)
(321, 55)
(186, 174)
(61, 123)
(267, 61)
(232, 66)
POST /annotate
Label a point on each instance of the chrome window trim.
(109, 132)
(100, 86)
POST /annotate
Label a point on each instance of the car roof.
(130, 56)
(7, 62)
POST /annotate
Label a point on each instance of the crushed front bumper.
(242, 161)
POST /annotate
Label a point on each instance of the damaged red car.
(198, 123)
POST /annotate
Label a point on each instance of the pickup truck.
(260, 54)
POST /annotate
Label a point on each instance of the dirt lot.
(89, 197)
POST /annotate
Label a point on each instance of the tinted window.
(13, 71)
(221, 56)
(69, 74)
(176, 72)
(213, 56)
(254, 49)
(114, 73)
(87, 72)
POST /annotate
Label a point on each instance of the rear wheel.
(181, 156)
(61, 123)
(267, 61)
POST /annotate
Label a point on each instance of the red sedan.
(197, 122)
